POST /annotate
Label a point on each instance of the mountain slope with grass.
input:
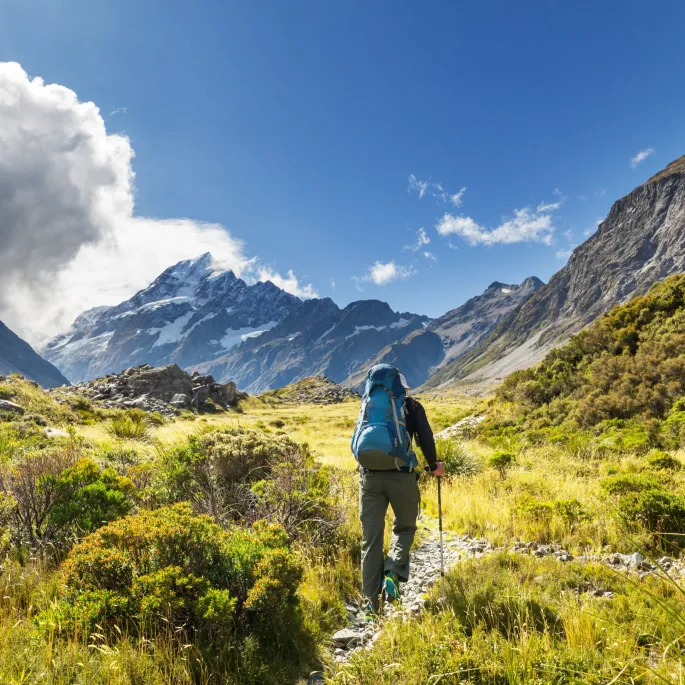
(641, 241)
(17, 356)
(627, 366)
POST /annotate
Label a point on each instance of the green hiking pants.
(377, 490)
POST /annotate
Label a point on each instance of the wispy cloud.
(430, 256)
(333, 283)
(526, 225)
(565, 254)
(382, 273)
(118, 110)
(418, 186)
(457, 198)
(421, 240)
(641, 156)
(436, 190)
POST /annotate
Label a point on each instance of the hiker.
(388, 420)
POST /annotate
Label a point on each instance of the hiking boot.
(370, 614)
(391, 587)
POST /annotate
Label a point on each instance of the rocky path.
(425, 572)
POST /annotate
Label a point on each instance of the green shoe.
(391, 587)
(370, 614)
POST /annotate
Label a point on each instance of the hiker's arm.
(424, 435)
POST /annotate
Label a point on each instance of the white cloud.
(333, 284)
(69, 237)
(527, 225)
(289, 283)
(419, 186)
(457, 198)
(451, 245)
(436, 190)
(543, 208)
(421, 240)
(118, 110)
(382, 273)
(641, 156)
(430, 256)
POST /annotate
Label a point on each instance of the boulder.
(180, 401)
(162, 383)
(6, 405)
(227, 393)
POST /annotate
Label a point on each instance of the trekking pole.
(442, 554)
(442, 551)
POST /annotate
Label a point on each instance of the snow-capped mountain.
(319, 339)
(193, 312)
(203, 317)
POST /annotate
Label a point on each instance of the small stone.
(666, 562)
(565, 556)
(56, 433)
(346, 638)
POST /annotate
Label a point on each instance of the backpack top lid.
(387, 375)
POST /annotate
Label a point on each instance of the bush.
(166, 568)
(87, 498)
(457, 459)
(662, 461)
(244, 475)
(625, 483)
(130, 426)
(50, 497)
(501, 461)
(656, 510)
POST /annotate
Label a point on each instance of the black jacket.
(420, 430)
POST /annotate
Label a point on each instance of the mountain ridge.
(640, 242)
(17, 356)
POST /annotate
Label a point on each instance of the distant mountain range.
(17, 356)
(204, 318)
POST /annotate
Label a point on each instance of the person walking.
(389, 419)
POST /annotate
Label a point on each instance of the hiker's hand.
(439, 469)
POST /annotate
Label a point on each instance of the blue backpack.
(381, 441)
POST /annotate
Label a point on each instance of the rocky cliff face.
(193, 312)
(425, 351)
(319, 340)
(641, 241)
(17, 356)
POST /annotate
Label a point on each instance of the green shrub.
(625, 483)
(87, 497)
(166, 568)
(662, 461)
(457, 459)
(501, 461)
(56, 497)
(244, 475)
(129, 426)
(657, 511)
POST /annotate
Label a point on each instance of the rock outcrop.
(167, 389)
(17, 356)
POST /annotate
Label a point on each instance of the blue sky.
(297, 124)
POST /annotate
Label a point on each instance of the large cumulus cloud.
(69, 238)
